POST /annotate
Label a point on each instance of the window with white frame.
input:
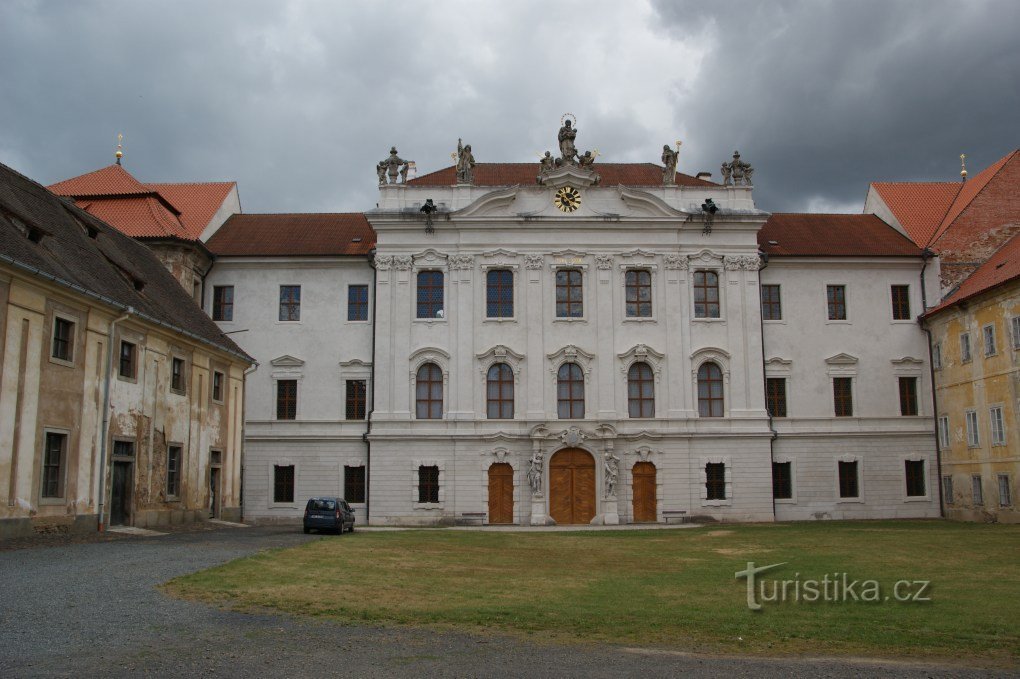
(1014, 325)
(973, 436)
(849, 480)
(997, 425)
(914, 473)
(965, 347)
(944, 432)
(947, 489)
(1005, 492)
(977, 490)
(988, 337)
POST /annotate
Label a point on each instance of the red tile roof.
(255, 235)
(969, 191)
(836, 235)
(198, 202)
(140, 216)
(112, 180)
(1001, 267)
(919, 206)
(509, 174)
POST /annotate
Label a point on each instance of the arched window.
(499, 395)
(641, 391)
(570, 392)
(429, 394)
(710, 390)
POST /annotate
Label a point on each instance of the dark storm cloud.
(298, 101)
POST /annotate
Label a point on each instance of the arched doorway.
(643, 487)
(501, 493)
(572, 486)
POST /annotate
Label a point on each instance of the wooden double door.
(572, 486)
(643, 477)
(501, 493)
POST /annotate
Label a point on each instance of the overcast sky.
(298, 101)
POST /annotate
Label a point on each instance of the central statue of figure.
(568, 153)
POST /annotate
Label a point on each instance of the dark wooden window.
(771, 304)
(123, 449)
(570, 392)
(428, 483)
(217, 385)
(430, 294)
(901, 302)
(357, 391)
(53, 465)
(178, 381)
(641, 391)
(63, 339)
(283, 483)
(775, 396)
(286, 399)
(569, 293)
(499, 293)
(354, 484)
(848, 486)
(706, 294)
(173, 471)
(715, 481)
(128, 352)
(357, 302)
(223, 303)
(499, 392)
(710, 390)
(836, 297)
(639, 293)
(290, 303)
(908, 396)
(782, 480)
(842, 396)
(429, 392)
(914, 470)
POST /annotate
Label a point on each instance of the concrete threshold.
(131, 530)
(231, 524)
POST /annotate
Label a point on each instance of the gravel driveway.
(92, 610)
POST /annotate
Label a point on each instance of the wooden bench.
(675, 516)
(471, 519)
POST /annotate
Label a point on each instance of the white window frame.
(368, 303)
(846, 303)
(973, 426)
(947, 489)
(73, 320)
(514, 286)
(927, 485)
(988, 340)
(271, 495)
(792, 500)
(1015, 327)
(727, 479)
(977, 484)
(998, 433)
(653, 277)
(1005, 489)
(936, 356)
(966, 351)
(943, 427)
(860, 479)
(586, 297)
(301, 303)
(414, 484)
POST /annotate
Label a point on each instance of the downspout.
(926, 255)
(775, 434)
(371, 385)
(106, 415)
(244, 420)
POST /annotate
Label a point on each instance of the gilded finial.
(675, 165)
(120, 147)
(963, 167)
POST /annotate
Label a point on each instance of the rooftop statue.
(568, 152)
(465, 164)
(669, 161)
(737, 172)
(389, 169)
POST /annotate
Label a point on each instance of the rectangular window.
(947, 489)
(936, 356)
(53, 465)
(973, 436)
(63, 339)
(775, 396)
(965, 347)
(908, 396)
(901, 302)
(177, 378)
(836, 298)
(715, 481)
(569, 293)
(638, 292)
(988, 335)
(357, 302)
(430, 294)
(128, 352)
(706, 294)
(428, 483)
(357, 391)
(848, 485)
(843, 396)
(1005, 492)
(944, 432)
(173, 471)
(354, 484)
(771, 306)
(499, 293)
(217, 386)
(1014, 323)
(123, 449)
(283, 483)
(998, 426)
(290, 303)
(977, 490)
(915, 478)
(782, 480)
(286, 399)
(223, 303)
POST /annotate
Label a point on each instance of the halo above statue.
(563, 119)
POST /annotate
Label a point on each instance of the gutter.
(926, 256)
(371, 385)
(244, 421)
(775, 434)
(105, 431)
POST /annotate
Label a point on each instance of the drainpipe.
(244, 419)
(926, 255)
(371, 385)
(775, 434)
(106, 415)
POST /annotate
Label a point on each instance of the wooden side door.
(643, 492)
(501, 493)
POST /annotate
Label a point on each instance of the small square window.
(283, 483)
(357, 302)
(915, 478)
(177, 377)
(128, 354)
(836, 301)
(63, 339)
(715, 481)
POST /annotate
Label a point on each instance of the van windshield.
(322, 505)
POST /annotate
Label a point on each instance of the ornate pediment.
(570, 354)
(568, 175)
(706, 257)
(429, 257)
(286, 361)
(644, 354)
(841, 359)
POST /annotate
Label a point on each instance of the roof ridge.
(991, 171)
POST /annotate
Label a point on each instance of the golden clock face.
(567, 199)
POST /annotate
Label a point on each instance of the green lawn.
(665, 588)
